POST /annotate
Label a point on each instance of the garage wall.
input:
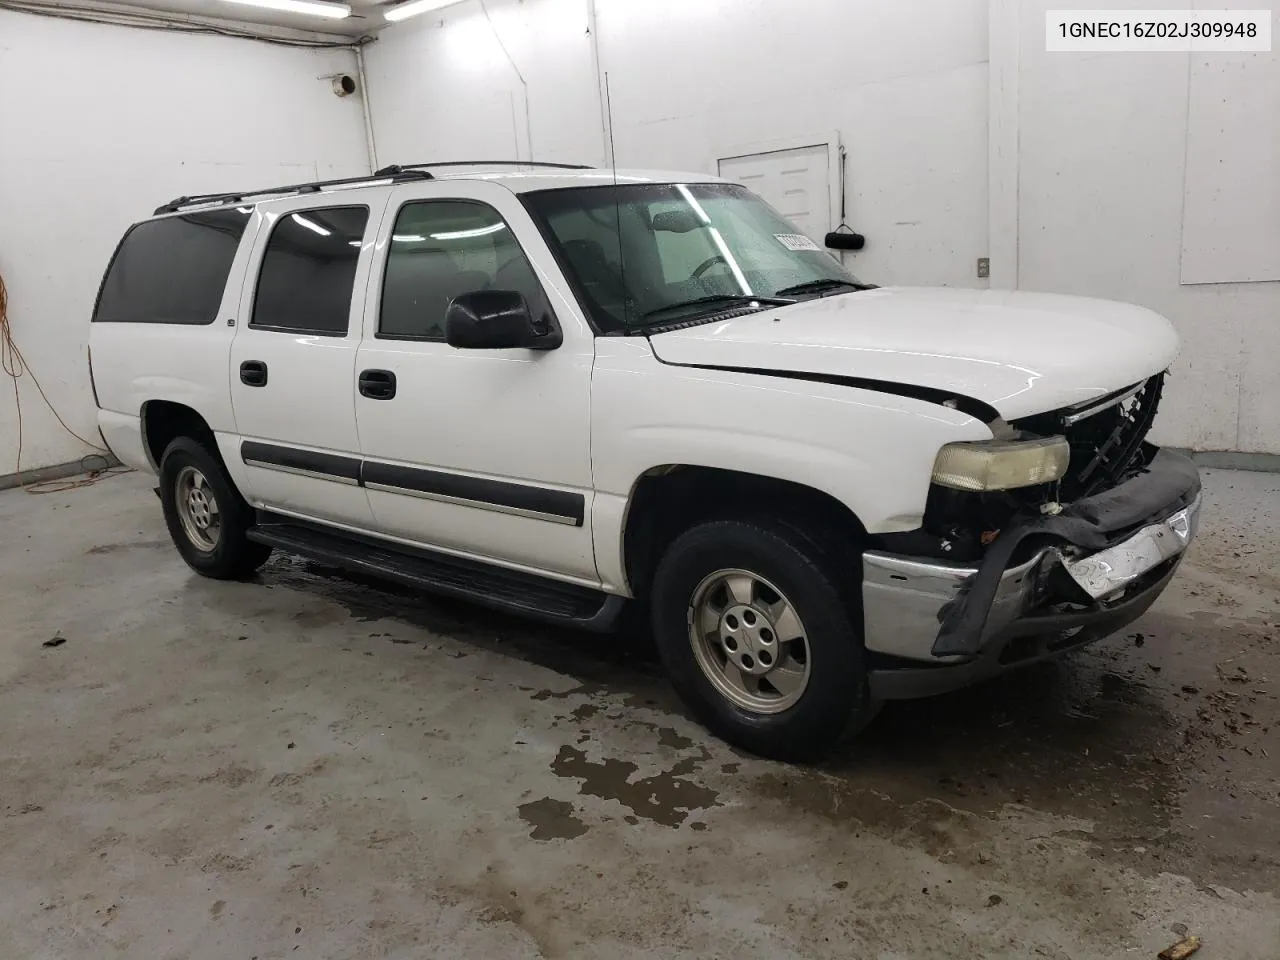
(693, 81)
(99, 125)
(1102, 173)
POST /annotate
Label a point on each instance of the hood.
(1021, 353)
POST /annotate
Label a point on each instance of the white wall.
(1101, 174)
(101, 124)
(692, 80)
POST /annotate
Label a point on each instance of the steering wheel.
(706, 265)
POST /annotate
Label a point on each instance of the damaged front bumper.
(1047, 585)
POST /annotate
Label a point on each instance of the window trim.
(304, 331)
(386, 259)
(257, 274)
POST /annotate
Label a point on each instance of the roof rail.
(396, 168)
(394, 174)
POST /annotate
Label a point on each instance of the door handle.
(377, 384)
(253, 373)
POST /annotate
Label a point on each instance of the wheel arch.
(165, 420)
(668, 499)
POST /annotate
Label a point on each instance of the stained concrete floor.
(311, 766)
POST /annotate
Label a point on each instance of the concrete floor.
(306, 763)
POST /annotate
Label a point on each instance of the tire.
(699, 582)
(208, 531)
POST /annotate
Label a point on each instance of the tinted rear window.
(172, 270)
(309, 271)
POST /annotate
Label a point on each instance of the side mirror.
(496, 320)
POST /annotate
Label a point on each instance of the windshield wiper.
(818, 286)
(719, 299)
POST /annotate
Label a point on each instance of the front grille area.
(1106, 449)
(1107, 446)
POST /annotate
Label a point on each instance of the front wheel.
(206, 516)
(759, 641)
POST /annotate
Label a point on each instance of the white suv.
(555, 390)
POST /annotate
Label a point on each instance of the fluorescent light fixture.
(311, 225)
(415, 7)
(467, 234)
(407, 237)
(353, 243)
(311, 8)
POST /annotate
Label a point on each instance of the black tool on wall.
(843, 236)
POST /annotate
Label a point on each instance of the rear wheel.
(759, 640)
(206, 516)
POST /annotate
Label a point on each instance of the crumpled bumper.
(1048, 585)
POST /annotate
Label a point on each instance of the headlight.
(1001, 464)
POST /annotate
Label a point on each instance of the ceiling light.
(415, 7)
(314, 8)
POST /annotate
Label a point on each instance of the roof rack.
(396, 176)
(397, 168)
(396, 173)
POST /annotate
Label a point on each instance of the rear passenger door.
(480, 452)
(293, 357)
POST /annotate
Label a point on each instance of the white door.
(795, 182)
(484, 453)
(293, 359)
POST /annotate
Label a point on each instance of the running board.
(509, 590)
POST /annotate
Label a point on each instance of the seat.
(594, 271)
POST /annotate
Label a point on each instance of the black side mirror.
(496, 320)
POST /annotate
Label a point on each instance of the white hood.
(1022, 353)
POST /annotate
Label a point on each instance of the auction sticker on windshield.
(796, 241)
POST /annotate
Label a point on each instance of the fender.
(872, 451)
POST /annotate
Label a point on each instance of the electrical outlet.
(984, 268)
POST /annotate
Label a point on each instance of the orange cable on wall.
(15, 366)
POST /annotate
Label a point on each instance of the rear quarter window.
(172, 270)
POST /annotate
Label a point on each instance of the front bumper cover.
(1081, 575)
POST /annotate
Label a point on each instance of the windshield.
(646, 254)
